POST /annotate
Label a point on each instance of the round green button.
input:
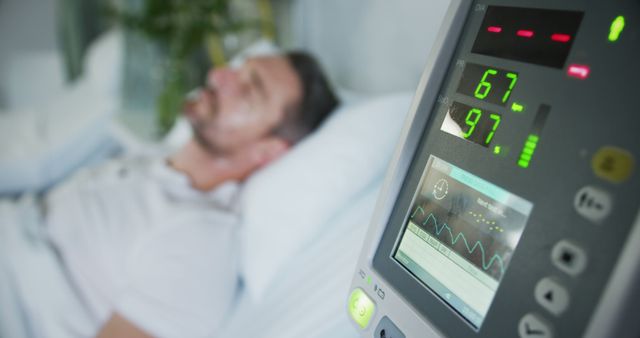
(361, 307)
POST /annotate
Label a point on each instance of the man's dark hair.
(318, 99)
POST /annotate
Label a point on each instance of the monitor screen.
(459, 236)
(538, 36)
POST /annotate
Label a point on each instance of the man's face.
(243, 105)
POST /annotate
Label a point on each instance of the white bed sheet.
(309, 299)
(36, 299)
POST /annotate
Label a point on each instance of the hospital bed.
(298, 254)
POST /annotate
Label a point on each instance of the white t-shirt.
(138, 240)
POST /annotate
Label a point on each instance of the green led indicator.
(528, 150)
(368, 280)
(616, 28)
(497, 150)
(516, 107)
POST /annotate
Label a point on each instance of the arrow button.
(531, 326)
(552, 296)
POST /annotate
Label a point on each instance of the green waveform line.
(454, 239)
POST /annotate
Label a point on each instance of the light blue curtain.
(79, 22)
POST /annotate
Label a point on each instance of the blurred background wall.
(368, 46)
(30, 68)
(371, 46)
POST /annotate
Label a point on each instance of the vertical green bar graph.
(528, 150)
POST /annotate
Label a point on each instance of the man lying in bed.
(149, 244)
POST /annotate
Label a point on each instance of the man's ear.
(267, 150)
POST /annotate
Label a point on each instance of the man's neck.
(205, 170)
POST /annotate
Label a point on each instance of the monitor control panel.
(512, 207)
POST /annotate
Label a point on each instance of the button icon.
(361, 307)
(387, 329)
(552, 296)
(612, 164)
(569, 258)
(533, 327)
(592, 203)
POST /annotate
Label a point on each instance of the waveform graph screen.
(460, 234)
(485, 252)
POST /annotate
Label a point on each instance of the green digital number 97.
(473, 117)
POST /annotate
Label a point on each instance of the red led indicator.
(560, 37)
(578, 71)
(525, 33)
(494, 29)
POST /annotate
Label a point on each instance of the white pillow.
(41, 146)
(285, 205)
(39, 149)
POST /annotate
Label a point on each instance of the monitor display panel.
(459, 237)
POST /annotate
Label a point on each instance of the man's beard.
(207, 145)
(198, 126)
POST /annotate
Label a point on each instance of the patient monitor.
(511, 208)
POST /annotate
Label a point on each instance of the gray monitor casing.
(585, 116)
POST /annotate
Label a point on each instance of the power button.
(361, 307)
(612, 164)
